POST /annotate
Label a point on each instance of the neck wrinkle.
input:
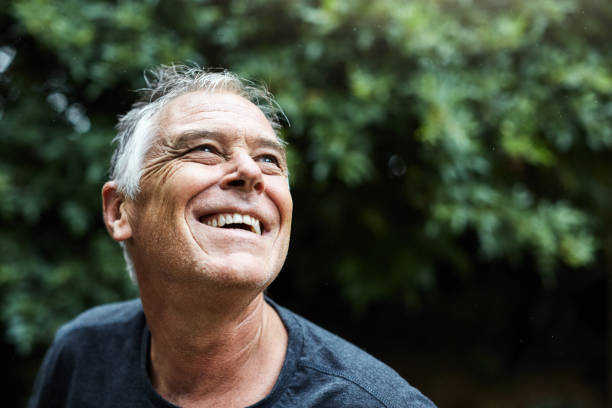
(202, 352)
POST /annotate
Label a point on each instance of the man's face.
(216, 160)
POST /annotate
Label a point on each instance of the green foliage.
(414, 126)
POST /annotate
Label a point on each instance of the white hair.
(137, 129)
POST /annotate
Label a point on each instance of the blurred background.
(450, 168)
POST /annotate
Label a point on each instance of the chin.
(237, 274)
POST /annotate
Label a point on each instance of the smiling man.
(200, 202)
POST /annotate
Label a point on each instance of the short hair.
(138, 128)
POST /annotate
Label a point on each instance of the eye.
(268, 158)
(206, 148)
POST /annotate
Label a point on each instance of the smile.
(240, 221)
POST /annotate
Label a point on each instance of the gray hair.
(138, 128)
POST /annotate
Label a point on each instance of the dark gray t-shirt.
(100, 359)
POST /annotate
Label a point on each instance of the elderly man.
(199, 200)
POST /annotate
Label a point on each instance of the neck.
(226, 351)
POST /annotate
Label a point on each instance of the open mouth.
(237, 221)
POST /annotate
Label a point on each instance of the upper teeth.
(220, 220)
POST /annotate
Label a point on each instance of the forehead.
(218, 112)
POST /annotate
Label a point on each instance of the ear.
(115, 212)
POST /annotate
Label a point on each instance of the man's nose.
(245, 174)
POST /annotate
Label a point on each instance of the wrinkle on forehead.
(195, 108)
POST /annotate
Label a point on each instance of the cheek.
(180, 181)
(289, 207)
(280, 195)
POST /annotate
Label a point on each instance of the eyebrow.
(259, 141)
(190, 135)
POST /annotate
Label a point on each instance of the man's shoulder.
(333, 360)
(96, 351)
(102, 318)
(97, 337)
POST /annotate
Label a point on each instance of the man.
(199, 200)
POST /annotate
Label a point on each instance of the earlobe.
(115, 213)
